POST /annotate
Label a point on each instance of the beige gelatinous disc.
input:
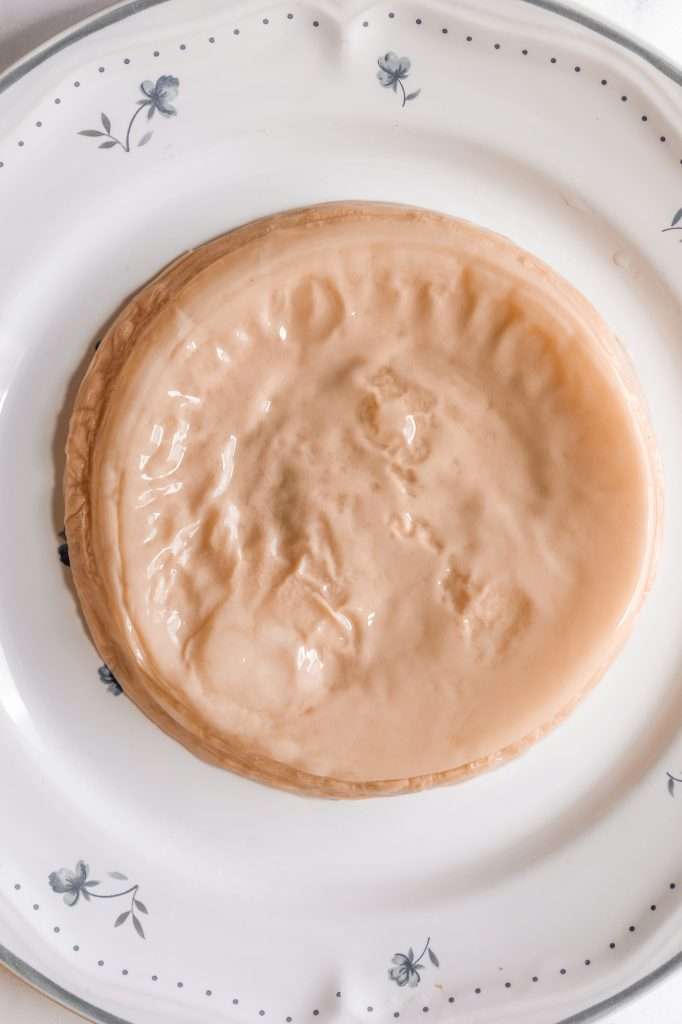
(360, 499)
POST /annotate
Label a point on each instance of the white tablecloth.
(26, 23)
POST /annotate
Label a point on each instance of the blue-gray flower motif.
(405, 972)
(407, 967)
(63, 550)
(393, 70)
(160, 95)
(107, 677)
(73, 884)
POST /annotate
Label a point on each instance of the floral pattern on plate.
(158, 95)
(77, 883)
(407, 967)
(393, 70)
(107, 677)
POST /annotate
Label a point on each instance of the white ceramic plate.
(539, 893)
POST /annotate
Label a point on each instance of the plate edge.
(609, 30)
(55, 992)
(124, 9)
(86, 26)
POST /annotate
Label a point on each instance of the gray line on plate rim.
(55, 992)
(43, 52)
(119, 13)
(615, 35)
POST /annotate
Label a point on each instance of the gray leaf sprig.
(675, 224)
(672, 779)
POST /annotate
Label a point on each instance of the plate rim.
(119, 11)
(122, 9)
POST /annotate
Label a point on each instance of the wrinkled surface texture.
(371, 496)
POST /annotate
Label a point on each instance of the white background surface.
(26, 23)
